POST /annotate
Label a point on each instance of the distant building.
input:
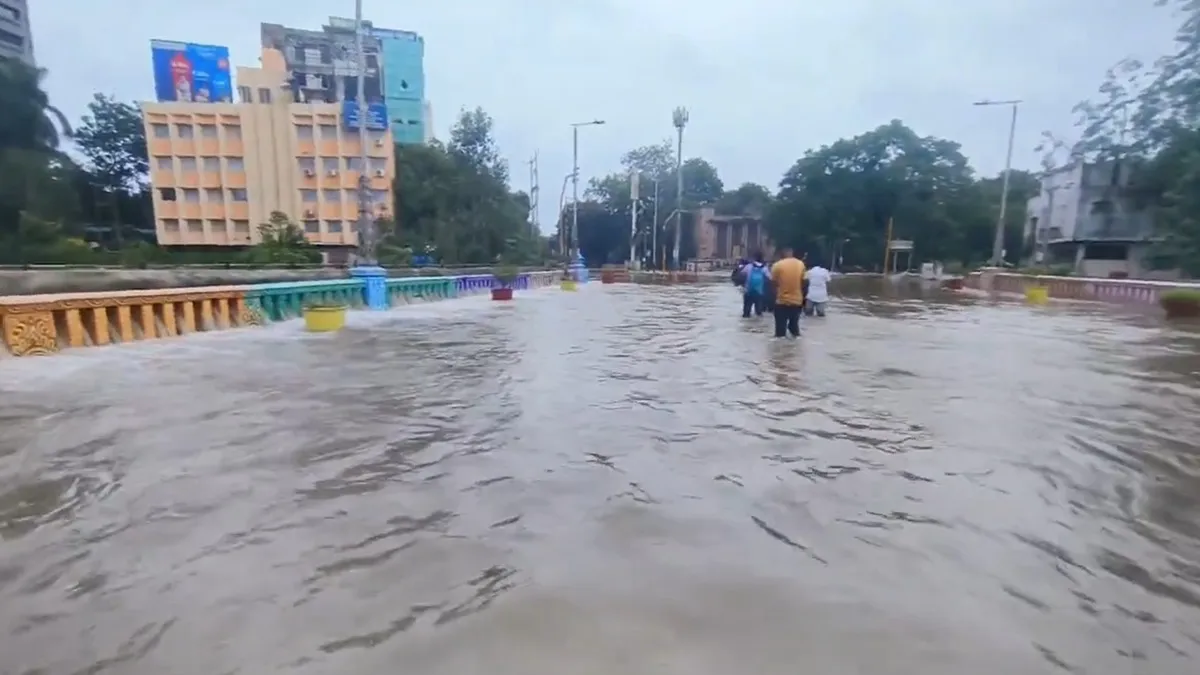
(726, 238)
(218, 170)
(16, 38)
(323, 66)
(1083, 217)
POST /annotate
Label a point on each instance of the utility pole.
(654, 230)
(366, 228)
(575, 184)
(998, 242)
(635, 180)
(680, 119)
(534, 191)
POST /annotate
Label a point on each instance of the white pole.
(634, 188)
(998, 244)
(366, 228)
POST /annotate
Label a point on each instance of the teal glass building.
(402, 60)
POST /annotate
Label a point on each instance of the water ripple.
(622, 478)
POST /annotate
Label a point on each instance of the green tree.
(113, 139)
(282, 242)
(453, 201)
(747, 199)
(843, 195)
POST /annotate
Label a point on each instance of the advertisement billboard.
(187, 72)
(377, 116)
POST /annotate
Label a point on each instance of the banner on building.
(377, 116)
(187, 72)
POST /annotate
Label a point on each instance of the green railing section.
(286, 300)
(405, 290)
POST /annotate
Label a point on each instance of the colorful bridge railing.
(45, 324)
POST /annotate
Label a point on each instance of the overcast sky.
(764, 79)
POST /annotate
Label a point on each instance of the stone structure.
(726, 238)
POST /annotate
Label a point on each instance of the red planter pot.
(953, 284)
(502, 293)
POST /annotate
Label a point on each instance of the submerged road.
(624, 480)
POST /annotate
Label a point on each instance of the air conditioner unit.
(310, 173)
(309, 213)
(379, 142)
(332, 172)
(380, 173)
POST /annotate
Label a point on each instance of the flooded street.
(623, 480)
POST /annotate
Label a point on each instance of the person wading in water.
(757, 278)
(788, 275)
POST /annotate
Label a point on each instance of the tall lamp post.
(680, 119)
(365, 267)
(574, 243)
(998, 243)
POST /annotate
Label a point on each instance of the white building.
(1084, 217)
(16, 38)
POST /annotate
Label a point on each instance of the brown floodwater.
(621, 480)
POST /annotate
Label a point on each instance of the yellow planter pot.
(1037, 295)
(324, 319)
(569, 285)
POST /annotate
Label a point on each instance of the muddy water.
(624, 480)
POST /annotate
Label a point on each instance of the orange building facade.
(218, 170)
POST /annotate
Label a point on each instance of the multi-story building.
(1083, 216)
(16, 38)
(218, 170)
(323, 66)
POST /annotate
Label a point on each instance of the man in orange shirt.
(788, 275)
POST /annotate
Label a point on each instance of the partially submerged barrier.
(1128, 291)
(45, 324)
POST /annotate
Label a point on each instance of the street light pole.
(366, 229)
(998, 243)
(680, 119)
(654, 230)
(575, 184)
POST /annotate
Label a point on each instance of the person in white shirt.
(818, 291)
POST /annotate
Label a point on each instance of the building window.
(212, 164)
(308, 196)
(304, 132)
(213, 195)
(307, 164)
(232, 131)
(10, 13)
(333, 226)
(161, 130)
(244, 95)
(187, 163)
(354, 163)
(328, 132)
(329, 164)
(332, 195)
(375, 136)
(164, 163)
(185, 131)
(264, 95)
(378, 164)
(191, 195)
(195, 226)
(216, 226)
(167, 194)
(235, 164)
(208, 131)
(241, 227)
(379, 196)
(170, 225)
(352, 196)
(312, 227)
(237, 194)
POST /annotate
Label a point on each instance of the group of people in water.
(787, 289)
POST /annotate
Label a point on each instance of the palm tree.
(29, 121)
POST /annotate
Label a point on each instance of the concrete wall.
(80, 280)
